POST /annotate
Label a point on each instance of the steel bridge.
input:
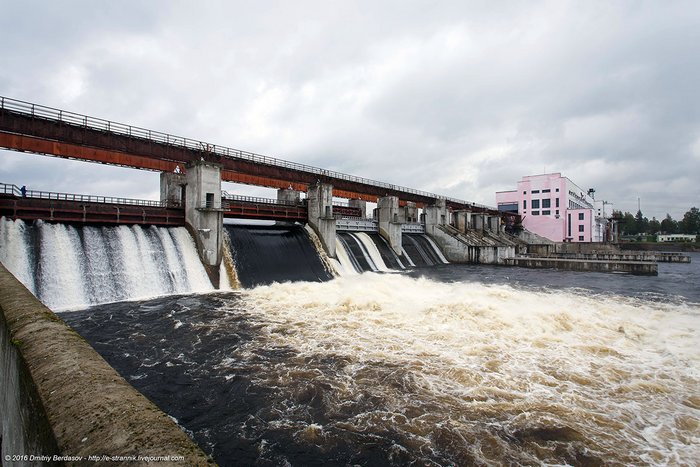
(34, 128)
(30, 205)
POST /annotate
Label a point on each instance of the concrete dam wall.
(60, 398)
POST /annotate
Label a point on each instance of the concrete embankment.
(610, 251)
(645, 268)
(654, 257)
(60, 398)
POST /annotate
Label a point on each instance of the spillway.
(422, 250)
(278, 253)
(74, 267)
(368, 251)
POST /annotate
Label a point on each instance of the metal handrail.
(38, 194)
(71, 118)
(256, 200)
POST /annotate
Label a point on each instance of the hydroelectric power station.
(66, 251)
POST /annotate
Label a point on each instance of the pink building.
(552, 206)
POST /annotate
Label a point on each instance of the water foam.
(485, 373)
(75, 267)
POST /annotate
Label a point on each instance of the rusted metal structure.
(75, 208)
(71, 208)
(38, 129)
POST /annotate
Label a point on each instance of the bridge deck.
(76, 208)
(55, 210)
(34, 128)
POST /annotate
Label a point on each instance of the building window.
(546, 191)
(535, 191)
(569, 223)
(557, 201)
(580, 238)
(580, 216)
(546, 213)
(546, 203)
(209, 200)
(580, 228)
(524, 192)
(524, 204)
(510, 207)
(535, 204)
(556, 212)
(557, 190)
(535, 213)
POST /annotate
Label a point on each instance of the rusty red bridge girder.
(89, 209)
(38, 129)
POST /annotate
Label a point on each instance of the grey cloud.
(462, 98)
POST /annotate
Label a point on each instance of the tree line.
(640, 225)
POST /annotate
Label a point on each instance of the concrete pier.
(644, 268)
(410, 213)
(359, 204)
(390, 222)
(204, 215)
(172, 188)
(435, 216)
(320, 209)
(288, 195)
(60, 398)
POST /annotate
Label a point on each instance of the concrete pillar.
(172, 188)
(411, 212)
(204, 216)
(389, 222)
(494, 224)
(288, 195)
(435, 215)
(479, 221)
(461, 221)
(320, 208)
(360, 204)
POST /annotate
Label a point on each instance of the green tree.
(641, 222)
(691, 221)
(654, 226)
(669, 225)
(628, 225)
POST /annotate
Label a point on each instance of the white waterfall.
(371, 249)
(71, 267)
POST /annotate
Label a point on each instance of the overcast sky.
(458, 98)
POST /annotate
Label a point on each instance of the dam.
(308, 330)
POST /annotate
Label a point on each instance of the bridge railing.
(14, 190)
(71, 118)
(255, 200)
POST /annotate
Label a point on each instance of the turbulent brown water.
(389, 369)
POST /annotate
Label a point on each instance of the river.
(449, 365)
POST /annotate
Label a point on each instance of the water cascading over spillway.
(277, 253)
(72, 267)
(422, 250)
(368, 251)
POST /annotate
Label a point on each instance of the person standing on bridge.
(23, 190)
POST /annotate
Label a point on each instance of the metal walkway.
(73, 208)
(35, 128)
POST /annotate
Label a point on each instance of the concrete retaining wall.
(459, 250)
(60, 398)
(631, 267)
